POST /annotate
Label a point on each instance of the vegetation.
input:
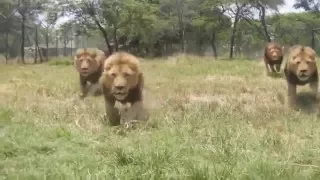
(210, 118)
(212, 123)
(156, 27)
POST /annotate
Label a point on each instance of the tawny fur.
(273, 56)
(301, 69)
(89, 63)
(122, 85)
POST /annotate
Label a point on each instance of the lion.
(273, 56)
(301, 69)
(122, 86)
(89, 63)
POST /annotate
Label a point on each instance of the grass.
(209, 120)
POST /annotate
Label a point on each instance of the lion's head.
(273, 51)
(88, 60)
(122, 74)
(302, 62)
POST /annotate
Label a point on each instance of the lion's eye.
(113, 74)
(298, 62)
(125, 74)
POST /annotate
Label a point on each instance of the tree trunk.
(57, 44)
(22, 37)
(64, 46)
(47, 44)
(77, 42)
(263, 22)
(213, 45)
(105, 35)
(71, 47)
(7, 46)
(82, 39)
(182, 40)
(36, 46)
(115, 39)
(233, 36)
(40, 54)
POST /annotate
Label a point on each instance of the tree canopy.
(158, 27)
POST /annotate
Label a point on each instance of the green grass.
(209, 120)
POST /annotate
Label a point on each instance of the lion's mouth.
(275, 58)
(120, 95)
(85, 72)
(303, 77)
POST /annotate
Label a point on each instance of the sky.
(287, 8)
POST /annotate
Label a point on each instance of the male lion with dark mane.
(273, 57)
(301, 69)
(89, 63)
(122, 87)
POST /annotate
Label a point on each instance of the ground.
(210, 119)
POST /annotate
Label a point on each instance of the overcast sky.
(288, 7)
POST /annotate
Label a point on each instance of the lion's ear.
(77, 56)
(94, 55)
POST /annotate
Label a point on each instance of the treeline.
(160, 27)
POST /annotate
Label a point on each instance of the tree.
(53, 11)
(88, 13)
(211, 20)
(26, 8)
(181, 11)
(8, 21)
(308, 5)
(237, 9)
(262, 6)
(66, 35)
(294, 28)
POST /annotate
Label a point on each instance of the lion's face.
(302, 63)
(120, 76)
(274, 53)
(86, 63)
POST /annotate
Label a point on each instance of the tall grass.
(210, 119)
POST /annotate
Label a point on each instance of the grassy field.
(209, 120)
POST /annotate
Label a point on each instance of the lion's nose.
(119, 87)
(303, 70)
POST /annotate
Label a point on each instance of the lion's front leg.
(292, 92)
(142, 113)
(272, 68)
(278, 67)
(131, 113)
(314, 88)
(112, 113)
(83, 87)
(127, 113)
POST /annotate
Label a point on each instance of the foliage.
(308, 5)
(163, 27)
(295, 28)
